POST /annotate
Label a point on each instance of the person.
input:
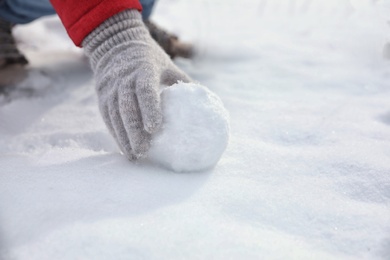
(129, 65)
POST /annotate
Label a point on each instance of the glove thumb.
(172, 75)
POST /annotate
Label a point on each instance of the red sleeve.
(81, 17)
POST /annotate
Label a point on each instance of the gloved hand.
(129, 68)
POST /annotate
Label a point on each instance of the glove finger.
(119, 130)
(132, 122)
(148, 98)
(107, 120)
(172, 75)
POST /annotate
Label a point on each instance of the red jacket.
(80, 17)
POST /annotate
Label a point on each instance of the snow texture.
(306, 174)
(195, 129)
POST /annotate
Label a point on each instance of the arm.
(81, 17)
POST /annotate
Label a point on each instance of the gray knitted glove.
(129, 69)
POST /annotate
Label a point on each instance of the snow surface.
(306, 174)
(195, 130)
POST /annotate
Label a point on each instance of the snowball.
(195, 129)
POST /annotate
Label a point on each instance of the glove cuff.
(121, 28)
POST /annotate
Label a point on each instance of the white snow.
(306, 174)
(195, 130)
